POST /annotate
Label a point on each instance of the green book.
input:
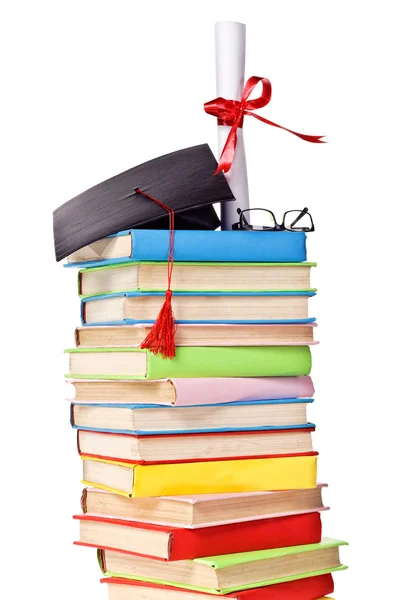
(199, 361)
(230, 572)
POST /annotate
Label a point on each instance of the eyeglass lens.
(298, 220)
(259, 218)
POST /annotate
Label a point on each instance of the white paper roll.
(230, 73)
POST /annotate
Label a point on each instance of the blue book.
(131, 308)
(152, 419)
(193, 246)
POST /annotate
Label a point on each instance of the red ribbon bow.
(231, 113)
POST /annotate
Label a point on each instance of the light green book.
(230, 572)
(198, 361)
(152, 276)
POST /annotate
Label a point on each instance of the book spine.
(219, 390)
(280, 532)
(245, 361)
(83, 500)
(211, 246)
(253, 475)
(101, 561)
(300, 589)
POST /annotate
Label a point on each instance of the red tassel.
(161, 338)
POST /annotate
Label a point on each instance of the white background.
(89, 89)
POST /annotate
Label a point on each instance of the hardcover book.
(308, 588)
(167, 543)
(193, 246)
(143, 419)
(195, 334)
(130, 308)
(135, 363)
(190, 392)
(204, 510)
(195, 446)
(194, 277)
(205, 477)
(229, 572)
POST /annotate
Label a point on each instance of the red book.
(173, 543)
(310, 588)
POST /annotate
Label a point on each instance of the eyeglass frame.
(277, 226)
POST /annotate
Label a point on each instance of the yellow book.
(209, 477)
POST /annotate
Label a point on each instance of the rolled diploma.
(230, 73)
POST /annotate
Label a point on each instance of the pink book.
(219, 390)
(191, 392)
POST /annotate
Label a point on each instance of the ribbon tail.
(227, 155)
(315, 139)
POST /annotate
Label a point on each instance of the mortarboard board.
(174, 191)
(184, 181)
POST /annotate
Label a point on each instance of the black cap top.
(183, 180)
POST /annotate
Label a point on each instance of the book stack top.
(229, 412)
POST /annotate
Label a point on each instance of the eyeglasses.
(264, 220)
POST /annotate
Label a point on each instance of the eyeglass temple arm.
(301, 214)
(242, 216)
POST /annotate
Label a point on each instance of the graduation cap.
(174, 191)
(183, 180)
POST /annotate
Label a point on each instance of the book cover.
(308, 588)
(214, 477)
(208, 246)
(188, 544)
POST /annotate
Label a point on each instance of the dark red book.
(173, 543)
(310, 588)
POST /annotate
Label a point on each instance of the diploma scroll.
(230, 73)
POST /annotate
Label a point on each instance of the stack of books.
(200, 470)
